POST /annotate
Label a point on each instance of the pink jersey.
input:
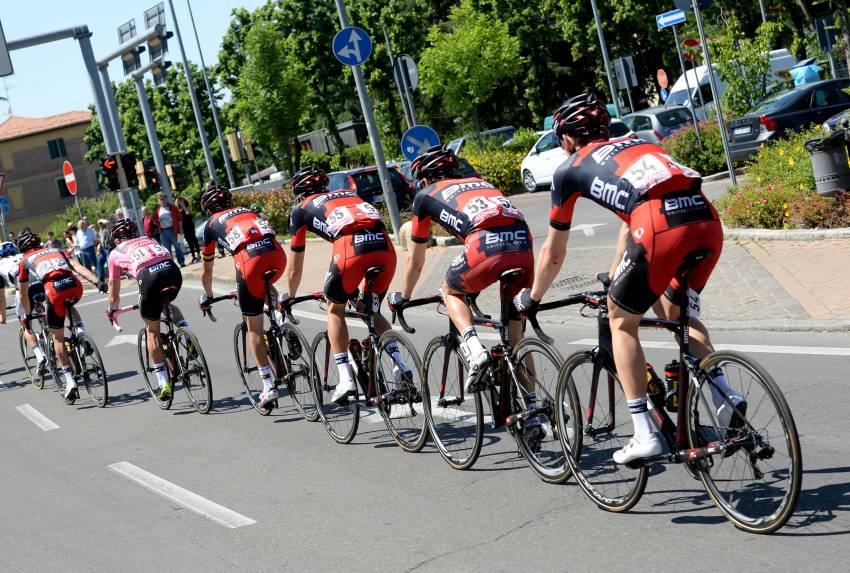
(132, 256)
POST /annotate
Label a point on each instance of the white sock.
(392, 348)
(39, 355)
(161, 374)
(720, 389)
(473, 344)
(81, 325)
(68, 373)
(343, 365)
(640, 416)
(266, 376)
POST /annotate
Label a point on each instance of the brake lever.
(532, 318)
(208, 313)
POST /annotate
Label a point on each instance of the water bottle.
(671, 381)
(654, 387)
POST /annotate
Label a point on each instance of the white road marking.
(587, 228)
(91, 302)
(122, 339)
(37, 417)
(755, 348)
(191, 501)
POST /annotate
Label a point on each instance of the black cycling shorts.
(35, 293)
(155, 288)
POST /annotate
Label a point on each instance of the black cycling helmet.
(582, 117)
(216, 198)
(435, 164)
(308, 181)
(28, 242)
(124, 229)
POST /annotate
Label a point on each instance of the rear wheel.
(30, 361)
(295, 352)
(193, 371)
(148, 374)
(340, 420)
(92, 372)
(247, 366)
(528, 181)
(402, 409)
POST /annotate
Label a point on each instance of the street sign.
(670, 18)
(661, 76)
(688, 45)
(5, 59)
(417, 139)
(352, 46)
(70, 179)
(826, 33)
(664, 95)
(626, 75)
(404, 64)
(4, 204)
(687, 5)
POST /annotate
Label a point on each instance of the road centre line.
(191, 501)
(755, 348)
(37, 417)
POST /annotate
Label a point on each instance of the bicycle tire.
(147, 372)
(97, 368)
(589, 458)
(409, 437)
(547, 460)
(735, 506)
(449, 416)
(56, 372)
(298, 375)
(30, 361)
(244, 354)
(191, 361)
(340, 421)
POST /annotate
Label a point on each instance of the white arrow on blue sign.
(352, 46)
(670, 18)
(417, 139)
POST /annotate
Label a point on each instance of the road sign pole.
(79, 209)
(153, 139)
(714, 93)
(374, 137)
(393, 64)
(112, 108)
(763, 12)
(614, 93)
(408, 89)
(687, 83)
(2, 210)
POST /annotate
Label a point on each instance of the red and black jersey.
(233, 229)
(331, 215)
(617, 174)
(45, 265)
(461, 206)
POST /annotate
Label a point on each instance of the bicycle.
(457, 420)
(285, 348)
(383, 382)
(710, 451)
(42, 339)
(184, 361)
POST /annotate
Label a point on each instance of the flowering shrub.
(498, 166)
(685, 149)
(273, 205)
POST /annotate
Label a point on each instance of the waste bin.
(829, 161)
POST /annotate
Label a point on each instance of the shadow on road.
(820, 505)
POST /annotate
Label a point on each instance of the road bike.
(750, 466)
(391, 386)
(38, 327)
(184, 360)
(286, 350)
(457, 420)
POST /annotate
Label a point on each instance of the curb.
(781, 325)
(721, 175)
(446, 241)
(783, 235)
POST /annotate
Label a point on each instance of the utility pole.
(687, 83)
(153, 139)
(763, 12)
(614, 93)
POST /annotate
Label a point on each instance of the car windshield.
(336, 181)
(673, 118)
(679, 97)
(775, 102)
(367, 182)
(618, 129)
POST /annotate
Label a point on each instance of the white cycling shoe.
(267, 398)
(343, 390)
(71, 391)
(638, 448)
(477, 365)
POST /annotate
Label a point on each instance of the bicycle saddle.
(511, 275)
(693, 259)
(167, 290)
(604, 278)
(373, 272)
(269, 274)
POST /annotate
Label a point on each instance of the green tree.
(467, 58)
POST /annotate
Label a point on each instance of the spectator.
(53, 242)
(72, 243)
(87, 242)
(107, 243)
(12, 236)
(151, 229)
(167, 218)
(187, 222)
(119, 213)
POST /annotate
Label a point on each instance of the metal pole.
(227, 166)
(195, 106)
(153, 139)
(374, 137)
(687, 84)
(103, 117)
(79, 209)
(614, 94)
(408, 90)
(112, 107)
(763, 12)
(631, 103)
(3, 225)
(714, 93)
(393, 64)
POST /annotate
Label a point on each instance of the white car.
(546, 155)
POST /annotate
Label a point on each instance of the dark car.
(789, 110)
(367, 184)
(838, 121)
(466, 170)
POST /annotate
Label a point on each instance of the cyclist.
(251, 241)
(52, 267)
(666, 217)
(159, 279)
(495, 238)
(360, 241)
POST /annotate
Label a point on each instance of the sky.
(51, 78)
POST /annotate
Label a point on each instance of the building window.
(63, 188)
(56, 147)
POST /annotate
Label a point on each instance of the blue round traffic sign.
(417, 139)
(352, 46)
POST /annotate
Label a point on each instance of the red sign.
(661, 76)
(690, 43)
(70, 180)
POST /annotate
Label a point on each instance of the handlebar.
(398, 310)
(472, 300)
(118, 313)
(290, 302)
(208, 312)
(593, 300)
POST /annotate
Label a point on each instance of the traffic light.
(109, 166)
(151, 176)
(128, 164)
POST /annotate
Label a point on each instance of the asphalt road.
(303, 502)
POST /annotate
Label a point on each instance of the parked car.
(546, 155)
(838, 121)
(657, 123)
(502, 134)
(789, 110)
(367, 184)
(466, 170)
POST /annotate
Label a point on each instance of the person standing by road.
(107, 243)
(187, 222)
(167, 218)
(151, 229)
(52, 241)
(87, 242)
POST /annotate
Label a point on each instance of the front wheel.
(756, 481)
(528, 181)
(247, 366)
(92, 372)
(30, 361)
(340, 420)
(192, 370)
(295, 352)
(147, 370)
(402, 405)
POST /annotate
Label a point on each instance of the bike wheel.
(247, 366)
(537, 365)
(192, 370)
(603, 427)
(456, 420)
(295, 351)
(755, 484)
(30, 361)
(92, 371)
(341, 421)
(56, 371)
(147, 372)
(402, 408)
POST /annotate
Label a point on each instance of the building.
(320, 141)
(32, 151)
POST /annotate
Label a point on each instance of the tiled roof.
(17, 126)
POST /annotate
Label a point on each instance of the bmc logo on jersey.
(451, 220)
(320, 225)
(153, 269)
(323, 198)
(452, 190)
(63, 282)
(608, 193)
(361, 238)
(258, 244)
(681, 203)
(499, 237)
